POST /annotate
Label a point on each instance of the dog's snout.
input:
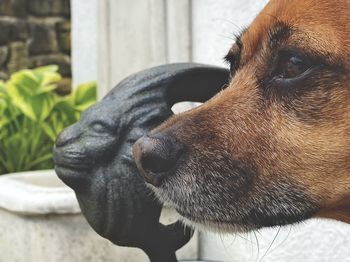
(67, 135)
(156, 156)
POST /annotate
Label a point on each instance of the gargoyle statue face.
(94, 156)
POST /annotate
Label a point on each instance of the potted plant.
(32, 115)
(39, 214)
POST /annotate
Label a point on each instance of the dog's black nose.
(156, 156)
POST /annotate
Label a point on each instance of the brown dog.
(274, 147)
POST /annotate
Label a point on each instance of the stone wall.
(35, 33)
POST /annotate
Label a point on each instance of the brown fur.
(260, 154)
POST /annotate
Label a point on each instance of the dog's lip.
(203, 220)
(199, 219)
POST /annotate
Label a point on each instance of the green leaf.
(84, 96)
(45, 69)
(37, 107)
(48, 77)
(49, 130)
(65, 107)
(26, 81)
(3, 106)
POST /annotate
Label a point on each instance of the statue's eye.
(99, 127)
(289, 66)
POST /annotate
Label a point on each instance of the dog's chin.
(200, 223)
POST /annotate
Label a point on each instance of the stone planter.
(41, 221)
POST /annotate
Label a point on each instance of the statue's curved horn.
(177, 82)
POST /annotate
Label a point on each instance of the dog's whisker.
(227, 37)
(272, 242)
(258, 246)
(237, 27)
(284, 240)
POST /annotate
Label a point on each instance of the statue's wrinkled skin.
(94, 156)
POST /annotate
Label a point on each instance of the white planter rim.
(36, 193)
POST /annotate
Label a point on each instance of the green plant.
(32, 115)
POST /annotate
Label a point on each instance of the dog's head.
(274, 147)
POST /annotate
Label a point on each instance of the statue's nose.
(156, 156)
(68, 135)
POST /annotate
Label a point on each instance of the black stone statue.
(94, 155)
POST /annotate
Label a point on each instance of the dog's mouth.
(191, 217)
(234, 200)
(190, 188)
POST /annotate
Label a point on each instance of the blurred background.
(90, 46)
(33, 34)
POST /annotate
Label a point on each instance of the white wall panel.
(214, 23)
(84, 37)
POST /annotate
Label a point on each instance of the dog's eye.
(290, 66)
